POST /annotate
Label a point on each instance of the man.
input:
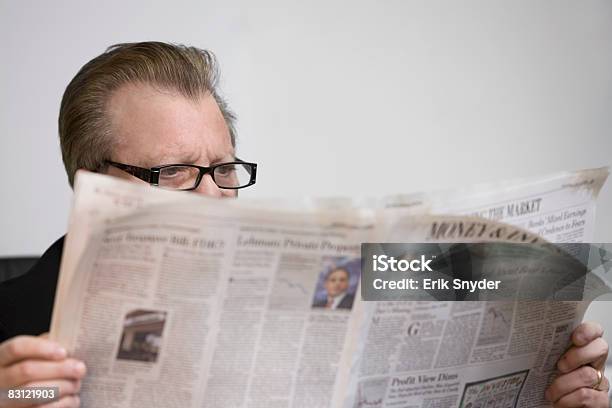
(138, 106)
(336, 285)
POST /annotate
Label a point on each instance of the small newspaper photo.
(178, 300)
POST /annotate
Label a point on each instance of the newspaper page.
(475, 354)
(177, 300)
(193, 302)
(560, 207)
(459, 354)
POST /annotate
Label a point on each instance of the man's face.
(154, 126)
(337, 282)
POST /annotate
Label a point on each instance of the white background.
(334, 98)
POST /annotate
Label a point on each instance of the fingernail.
(79, 367)
(562, 365)
(60, 352)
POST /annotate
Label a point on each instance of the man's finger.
(29, 347)
(583, 397)
(586, 333)
(38, 370)
(565, 384)
(594, 353)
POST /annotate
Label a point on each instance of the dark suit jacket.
(26, 302)
(345, 303)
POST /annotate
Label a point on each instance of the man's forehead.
(184, 154)
(154, 126)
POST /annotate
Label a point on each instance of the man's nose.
(208, 187)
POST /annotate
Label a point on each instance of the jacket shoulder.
(26, 302)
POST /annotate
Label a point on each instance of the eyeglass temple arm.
(140, 172)
(251, 168)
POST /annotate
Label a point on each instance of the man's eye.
(173, 172)
(226, 170)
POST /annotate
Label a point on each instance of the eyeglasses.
(232, 175)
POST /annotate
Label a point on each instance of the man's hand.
(27, 361)
(578, 371)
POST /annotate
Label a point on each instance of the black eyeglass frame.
(151, 175)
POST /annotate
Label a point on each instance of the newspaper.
(176, 300)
